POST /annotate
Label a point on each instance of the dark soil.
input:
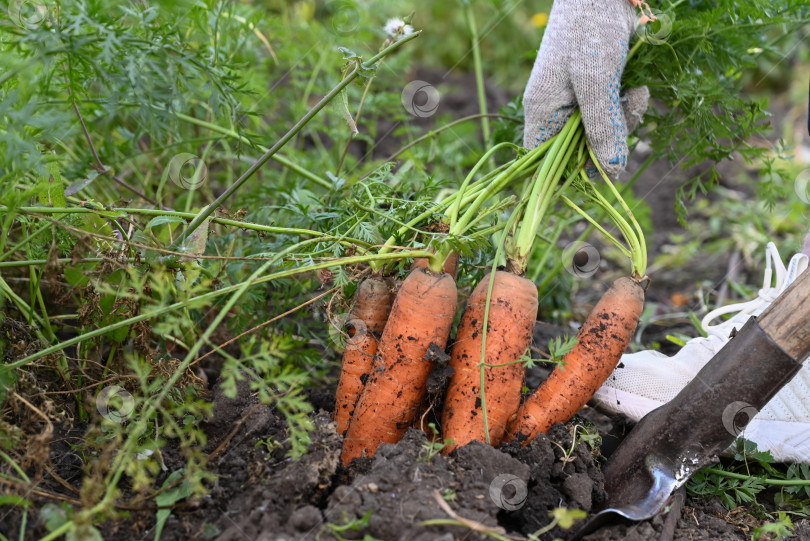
(260, 494)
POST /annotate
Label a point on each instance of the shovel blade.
(674, 441)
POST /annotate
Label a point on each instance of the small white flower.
(397, 27)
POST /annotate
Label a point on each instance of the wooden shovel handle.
(787, 319)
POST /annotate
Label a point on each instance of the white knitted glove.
(581, 60)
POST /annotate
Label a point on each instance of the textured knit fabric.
(581, 60)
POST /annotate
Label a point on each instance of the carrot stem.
(542, 194)
(462, 189)
(593, 222)
(640, 239)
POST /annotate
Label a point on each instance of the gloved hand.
(581, 60)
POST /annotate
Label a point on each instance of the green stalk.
(280, 158)
(356, 119)
(473, 197)
(543, 191)
(35, 280)
(441, 206)
(117, 212)
(548, 277)
(9, 219)
(214, 294)
(437, 131)
(497, 207)
(595, 224)
(36, 262)
(22, 306)
(640, 239)
(763, 480)
(25, 241)
(208, 210)
(478, 68)
(487, 190)
(515, 168)
(541, 265)
(462, 189)
(633, 235)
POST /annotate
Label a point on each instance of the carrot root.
(512, 313)
(372, 303)
(358, 358)
(422, 314)
(367, 318)
(602, 340)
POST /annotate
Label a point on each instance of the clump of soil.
(512, 489)
(403, 492)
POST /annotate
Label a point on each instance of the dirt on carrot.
(601, 341)
(422, 315)
(512, 313)
(367, 318)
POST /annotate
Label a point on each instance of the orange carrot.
(600, 344)
(422, 314)
(450, 265)
(512, 313)
(372, 304)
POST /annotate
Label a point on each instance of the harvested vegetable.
(601, 341)
(367, 318)
(512, 314)
(496, 328)
(422, 315)
(603, 337)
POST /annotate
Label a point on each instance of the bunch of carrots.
(386, 363)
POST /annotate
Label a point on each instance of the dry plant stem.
(207, 211)
(457, 520)
(280, 158)
(222, 446)
(89, 387)
(48, 424)
(103, 168)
